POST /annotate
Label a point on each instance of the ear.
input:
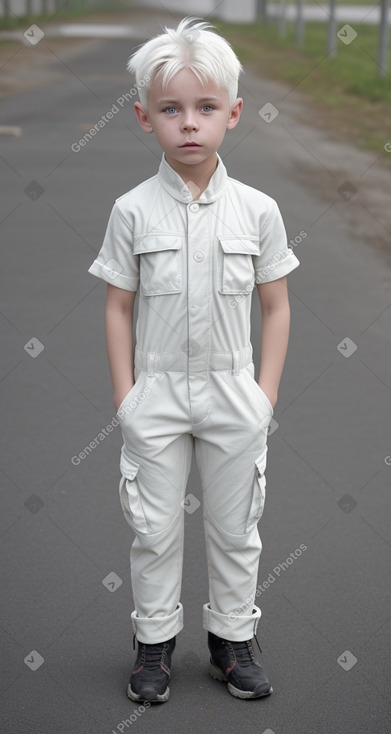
(142, 117)
(236, 111)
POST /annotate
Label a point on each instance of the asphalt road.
(324, 576)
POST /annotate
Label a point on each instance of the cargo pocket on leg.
(130, 495)
(259, 490)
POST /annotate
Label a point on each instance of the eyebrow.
(175, 101)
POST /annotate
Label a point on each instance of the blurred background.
(314, 135)
(337, 53)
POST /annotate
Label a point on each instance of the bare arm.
(275, 309)
(119, 340)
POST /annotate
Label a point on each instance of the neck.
(197, 176)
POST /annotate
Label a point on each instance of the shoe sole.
(160, 697)
(218, 674)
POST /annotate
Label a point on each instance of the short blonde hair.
(191, 46)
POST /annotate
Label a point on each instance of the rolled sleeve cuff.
(110, 274)
(281, 264)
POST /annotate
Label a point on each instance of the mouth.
(190, 145)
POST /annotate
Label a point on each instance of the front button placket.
(199, 296)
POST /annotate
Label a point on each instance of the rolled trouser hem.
(234, 627)
(152, 630)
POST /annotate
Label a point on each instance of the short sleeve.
(276, 259)
(115, 262)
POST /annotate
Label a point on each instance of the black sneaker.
(235, 663)
(151, 673)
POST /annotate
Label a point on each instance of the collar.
(176, 187)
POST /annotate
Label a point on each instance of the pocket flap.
(239, 244)
(128, 467)
(156, 242)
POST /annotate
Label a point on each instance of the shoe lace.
(244, 652)
(152, 654)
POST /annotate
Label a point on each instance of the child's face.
(188, 111)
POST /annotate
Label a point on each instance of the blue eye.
(170, 109)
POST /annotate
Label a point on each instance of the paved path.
(324, 580)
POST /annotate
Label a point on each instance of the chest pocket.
(235, 266)
(160, 263)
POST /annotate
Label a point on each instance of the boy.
(194, 242)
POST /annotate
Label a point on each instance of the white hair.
(190, 46)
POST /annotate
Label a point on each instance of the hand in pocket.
(119, 400)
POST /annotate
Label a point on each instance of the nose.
(189, 121)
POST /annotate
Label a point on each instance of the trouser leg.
(231, 453)
(155, 465)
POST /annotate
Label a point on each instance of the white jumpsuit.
(195, 264)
